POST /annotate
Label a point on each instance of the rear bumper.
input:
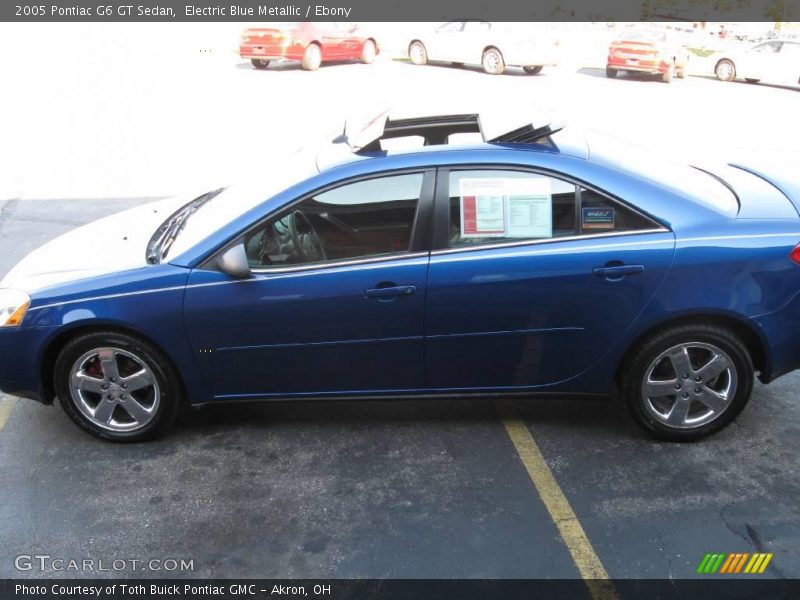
(271, 52)
(641, 66)
(782, 332)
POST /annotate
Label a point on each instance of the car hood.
(114, 243)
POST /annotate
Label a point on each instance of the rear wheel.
(259, 63)
(492, 62)
(533, 70)
(687, 382)
(667, 76)
(725, 70)
(368, 52)
(417, 53)
(611, 73)
(312, 58)
(116, 386)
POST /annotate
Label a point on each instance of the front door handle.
(617, 272)
(384, 293)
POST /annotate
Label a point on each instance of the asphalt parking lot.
(423, 489)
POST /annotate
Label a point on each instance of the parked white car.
(494, 46)
(775, 61)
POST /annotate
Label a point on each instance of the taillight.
(794, 255)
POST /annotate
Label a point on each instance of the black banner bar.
(337, 589)
(397, 10)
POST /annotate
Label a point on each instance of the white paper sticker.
(506, 208)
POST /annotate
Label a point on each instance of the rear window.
(702, 186)
(643, 36)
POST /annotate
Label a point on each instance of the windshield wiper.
(159, 245)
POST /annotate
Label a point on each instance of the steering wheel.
(293, 238)
(304, 237)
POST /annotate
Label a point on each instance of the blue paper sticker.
(598, 217)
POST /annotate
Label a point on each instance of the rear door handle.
(390, 292)
(616, 272)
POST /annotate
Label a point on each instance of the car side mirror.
(233, 262)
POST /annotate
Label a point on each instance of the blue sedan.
(535, 262)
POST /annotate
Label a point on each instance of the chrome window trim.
(323, 266)
(536, 242)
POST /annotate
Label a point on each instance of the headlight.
(13, 305)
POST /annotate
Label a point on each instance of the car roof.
(367, 138)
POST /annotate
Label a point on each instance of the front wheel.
(417, 53)
(533, 70)
(687, 382)
(611, 73)
(312, 58)
(116, 386)
(259, 63)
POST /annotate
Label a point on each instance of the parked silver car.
(494, 46)
(775, 61)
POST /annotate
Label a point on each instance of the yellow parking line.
(579, 546)
(6, 406)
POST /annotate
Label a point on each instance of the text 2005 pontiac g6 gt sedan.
(536, 262)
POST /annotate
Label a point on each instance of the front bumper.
(21, 351)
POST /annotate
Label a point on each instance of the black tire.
(533, 70)
(368, 52)
(259, 63)
(611, 73)
(492, 62)
(725, 70)
(639, 363)
(417, 53)
(170, 398)
(312, 57)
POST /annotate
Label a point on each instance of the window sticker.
(482, 208)
(597, 217)
(506, 208)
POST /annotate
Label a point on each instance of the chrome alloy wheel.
(689, 385)
(725, 71)
(492, 61)
(114, 389)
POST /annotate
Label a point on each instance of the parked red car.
(647, 51)
(310, 43)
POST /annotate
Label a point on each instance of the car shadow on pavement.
(601, 73)
(509, 71)
(776, 86)
(601, 415)
(294, 65)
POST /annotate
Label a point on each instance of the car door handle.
(616, 272)
(390, 291)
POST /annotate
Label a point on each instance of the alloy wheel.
(689, 385)
(115, 389)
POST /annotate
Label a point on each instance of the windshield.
(204, 215)
(684, 178)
